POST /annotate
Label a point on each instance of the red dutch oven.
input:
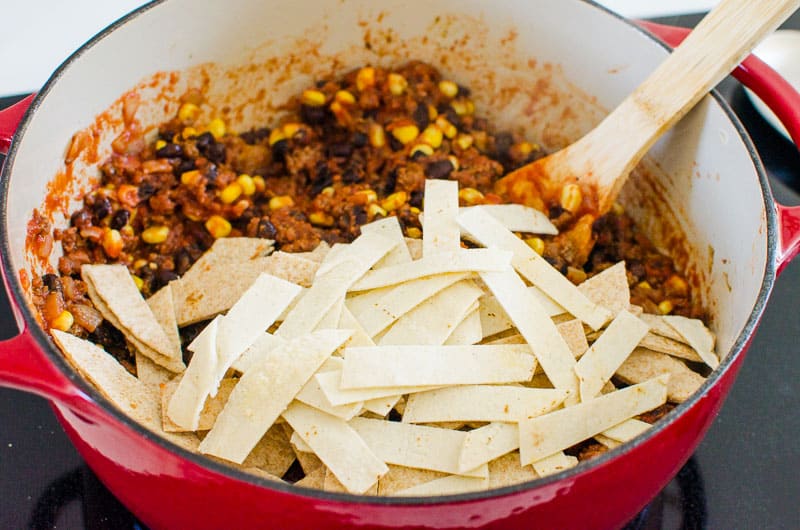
(706, 180)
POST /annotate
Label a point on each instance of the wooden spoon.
(586, 177)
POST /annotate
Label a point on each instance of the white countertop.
(37, 35)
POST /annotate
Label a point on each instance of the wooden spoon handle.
(722, 39)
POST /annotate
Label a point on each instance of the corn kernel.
(127, 230)
(432, 112)
(188, 132)
(365, 197)
(676, 285)
(397, 84)
(617, 208)
(421, 149)
(536, 243)
(217, 128)
(291, 128)
(414, 210)
(190, 177)
(259, 183)
(665, 307)
(139, 263)
(432, 136)
(453, 160)
(373, 210)
(524, 148)
(328, 191)
(463, 107)
(365, 78)
(112, 243)
(155, 235)
(345, 98)
(571, 197)
(160, 144)
(576, 275)
(414, 232)
(644, 285)
(218, 226)
(377, 136)
(230, 193)
(188, 112)
(464, 141)
(320, 219)
(280, 201)
(246, 184)
(63, 321)
(448, 88)
(447, 128)
(394, 201)
(276, 136)
(470, 196)
(138, 281)
(312, 98)
(405, 133)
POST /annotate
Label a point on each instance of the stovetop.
(745, 474)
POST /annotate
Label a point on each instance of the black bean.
(421, 117)
(391, 182)
(556, 211)
(394, 143)
(452, 116)
(101, 208)
(502, 143)
(360, 214)
(359, 139)
(370, 114)
(321, 83)
(184, 166)
(211, 173)
(637, 269)
(52, 282)
(439, 170)
(215, 153)
(165, 276)
(254, 136)
(418, 155)
(170, 151)
(350, 176)
(313, 115)
(146, 190)
(266, 230)
(415, 199)
(183, 260)
(322, 179)
(464, 91)
(81, 219)
(279, 150)
(204, 141)
(120, 219)
(343, 150)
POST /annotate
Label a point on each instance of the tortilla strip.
(628, 429)
(495, 320)
(468, 331)
(609, 289)
(644, 364)
(549, 347)
(389, 227)
(399, 300)
(401, 477)
(318, 254)
(348, 321)
(116, 296)
(471, 260)
(331, 319)
(211, 409)
(312, 395)
(314, 479)
(256, 351)
(440, 205)
(697, 335)
(434, 320)
(449, 485)
(230, 250)
(330, 383)
(659, 326)
(481, 403)
(436, 365)
(416, 446)
(553, 464)
(292, 268)
(572, 332)
(414, 247)
(487, 443)
(331, 483)
(489, 232)
(382, 406)
(339, 447)
(506, 471)
(545, 435)
(298, 443)
(518, 218)
(654, 342)
(272, 453)
(149, 372)
(163, 309)
(265, 391)
(608, 352)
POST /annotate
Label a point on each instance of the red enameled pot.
(705, 174)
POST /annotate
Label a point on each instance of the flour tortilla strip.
(292, 268)
(599, 363)
(318, 254)
(332, 317)
(416, 446)
(330, 383)
(506, 471)
(389, 228)
(149, 372)
(331, 483)
(399, 300)
(468, 331)
(116, 296)
(440, 205)
(299, 444)
(491, 233)
(314, 479)
(230, 250)
(660, 327)
(436, 365)
(435, 319)
(661, 344)
(553, 464)
(481, 403)
(518, 218)
(329, 287)
(606, 441)
(572, 332)
(414, 247)
(479, 259)
(549, 347)
(382, 406)
(363, 301)
(273, 453)
(628, 429)
(609, 289)
(339, 447)
(211, 409)
(257, 351)
(163, 309)
(401, 477)
(487, 443)
(545, 435)
(265, 391)
(312, 395)
(348, 321)
(644, 364)
(697, 335)
(450, 485)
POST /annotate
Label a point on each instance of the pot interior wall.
(527, 63)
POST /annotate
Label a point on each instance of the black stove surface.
(745, 474)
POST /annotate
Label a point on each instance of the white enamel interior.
(585, 60)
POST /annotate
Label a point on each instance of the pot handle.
(9, 120)
(784, 101)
